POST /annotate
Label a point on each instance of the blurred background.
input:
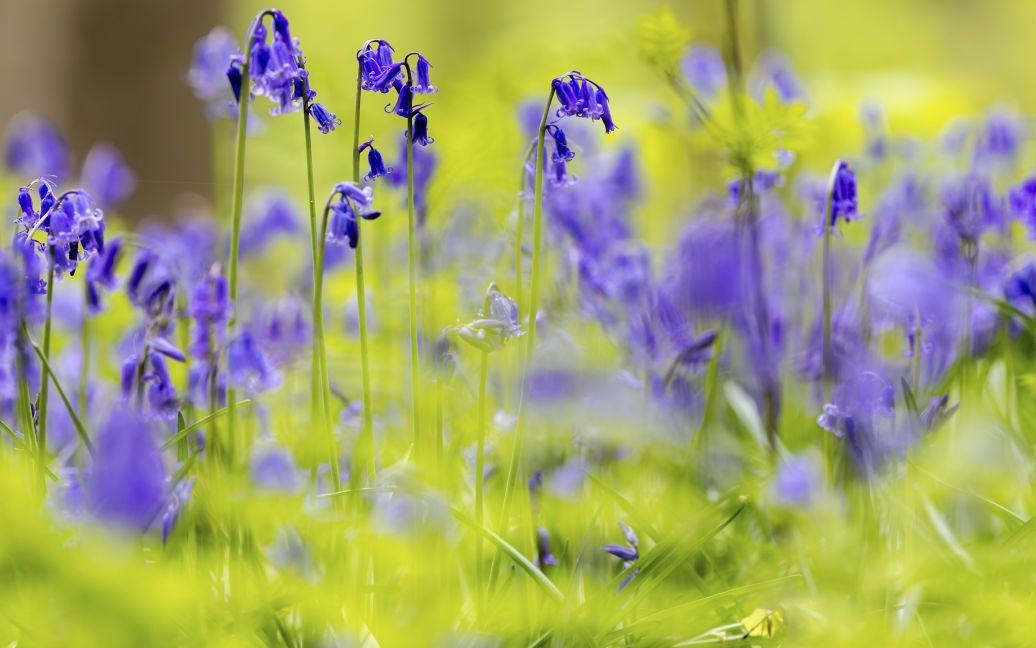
(115, 70)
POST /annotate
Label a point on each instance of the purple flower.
(346, 203)
(326, 120)
(1000, 138)
(210, 308)
(843, 195)
(862, 412)
(268, 214)
(250, 369)
(498, 322)
(207, 74)
(421, 130)
(150, 286)
(125, 485)
(628, 553)
(101, 273)
(177, 500)
(580, 97)
(972, 206)
(423, 85)
(273, 469)
(1022, 200)
(34, 148)
(773, 70)
(543, 555)
(274, 67)
(798, 481)
(106, 176)
(374, 160)
(704, 70)
(404, 101)
(378, 73)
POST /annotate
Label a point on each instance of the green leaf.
(541, 579)
(80, 430)
(182, 434)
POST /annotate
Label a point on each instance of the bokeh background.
(114, 70)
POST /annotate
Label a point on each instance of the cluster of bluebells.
(72, 225)
(276, 70)
(346, 204)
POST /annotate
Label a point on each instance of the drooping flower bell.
(326, 120)
(374, 160)
(1022, 200)
(210, 309)
(578, 96)
(843, 197)
(421, 129)
(497, 323)
(628, 553)
(347, 203)
(423, 84)
(378, 72)
(101, 273)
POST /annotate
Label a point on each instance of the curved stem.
(235, 227)
(319, 349)
(366, 442)
(519, 229)
(412, 267)
(537, 229)
(41, 431)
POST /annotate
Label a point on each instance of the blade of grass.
(80, 430)
(171, 441)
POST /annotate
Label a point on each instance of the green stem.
(825, 283)
(412, 267)
(537, 234)
(84, 355)
(41, 431)
(235, 229)
(319, 348)
(480, 467)
(519, 230)
(366, 441)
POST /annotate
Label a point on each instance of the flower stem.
(319, 349)
(517, 446)
(84, 354)
(235, 230)
(480, 467)
(366, 441)
(826, 331)
(412, 266)
(41, 431)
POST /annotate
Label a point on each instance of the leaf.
(747, 412)
(80, 430)
(661, 38)
(515, 555)
(181, 434)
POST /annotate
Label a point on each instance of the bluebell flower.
(972, 206)
(283, 330)
(703, 68)
(346, 203)
(862, 412)
(762, 182)
(378, 73)
(210, 308)
(101, 273)
(843, 195)
(774, 70)
(999, 138)
(423, 85)
(268, 214)
(150, 286)
(628, 553)
(496, 325)
(177, 500)
(34, 148)
(374, 160)
(1022, 200)
(275, 69)
(250, 370)
(421, 130)
(125, 486)
(326, 120)
(274, 469)
(207, 74)
(798, 481)
(1020, 287)
(562, 153)
(106, 176)
(543, 555)
(580, 97)
(404, 101)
